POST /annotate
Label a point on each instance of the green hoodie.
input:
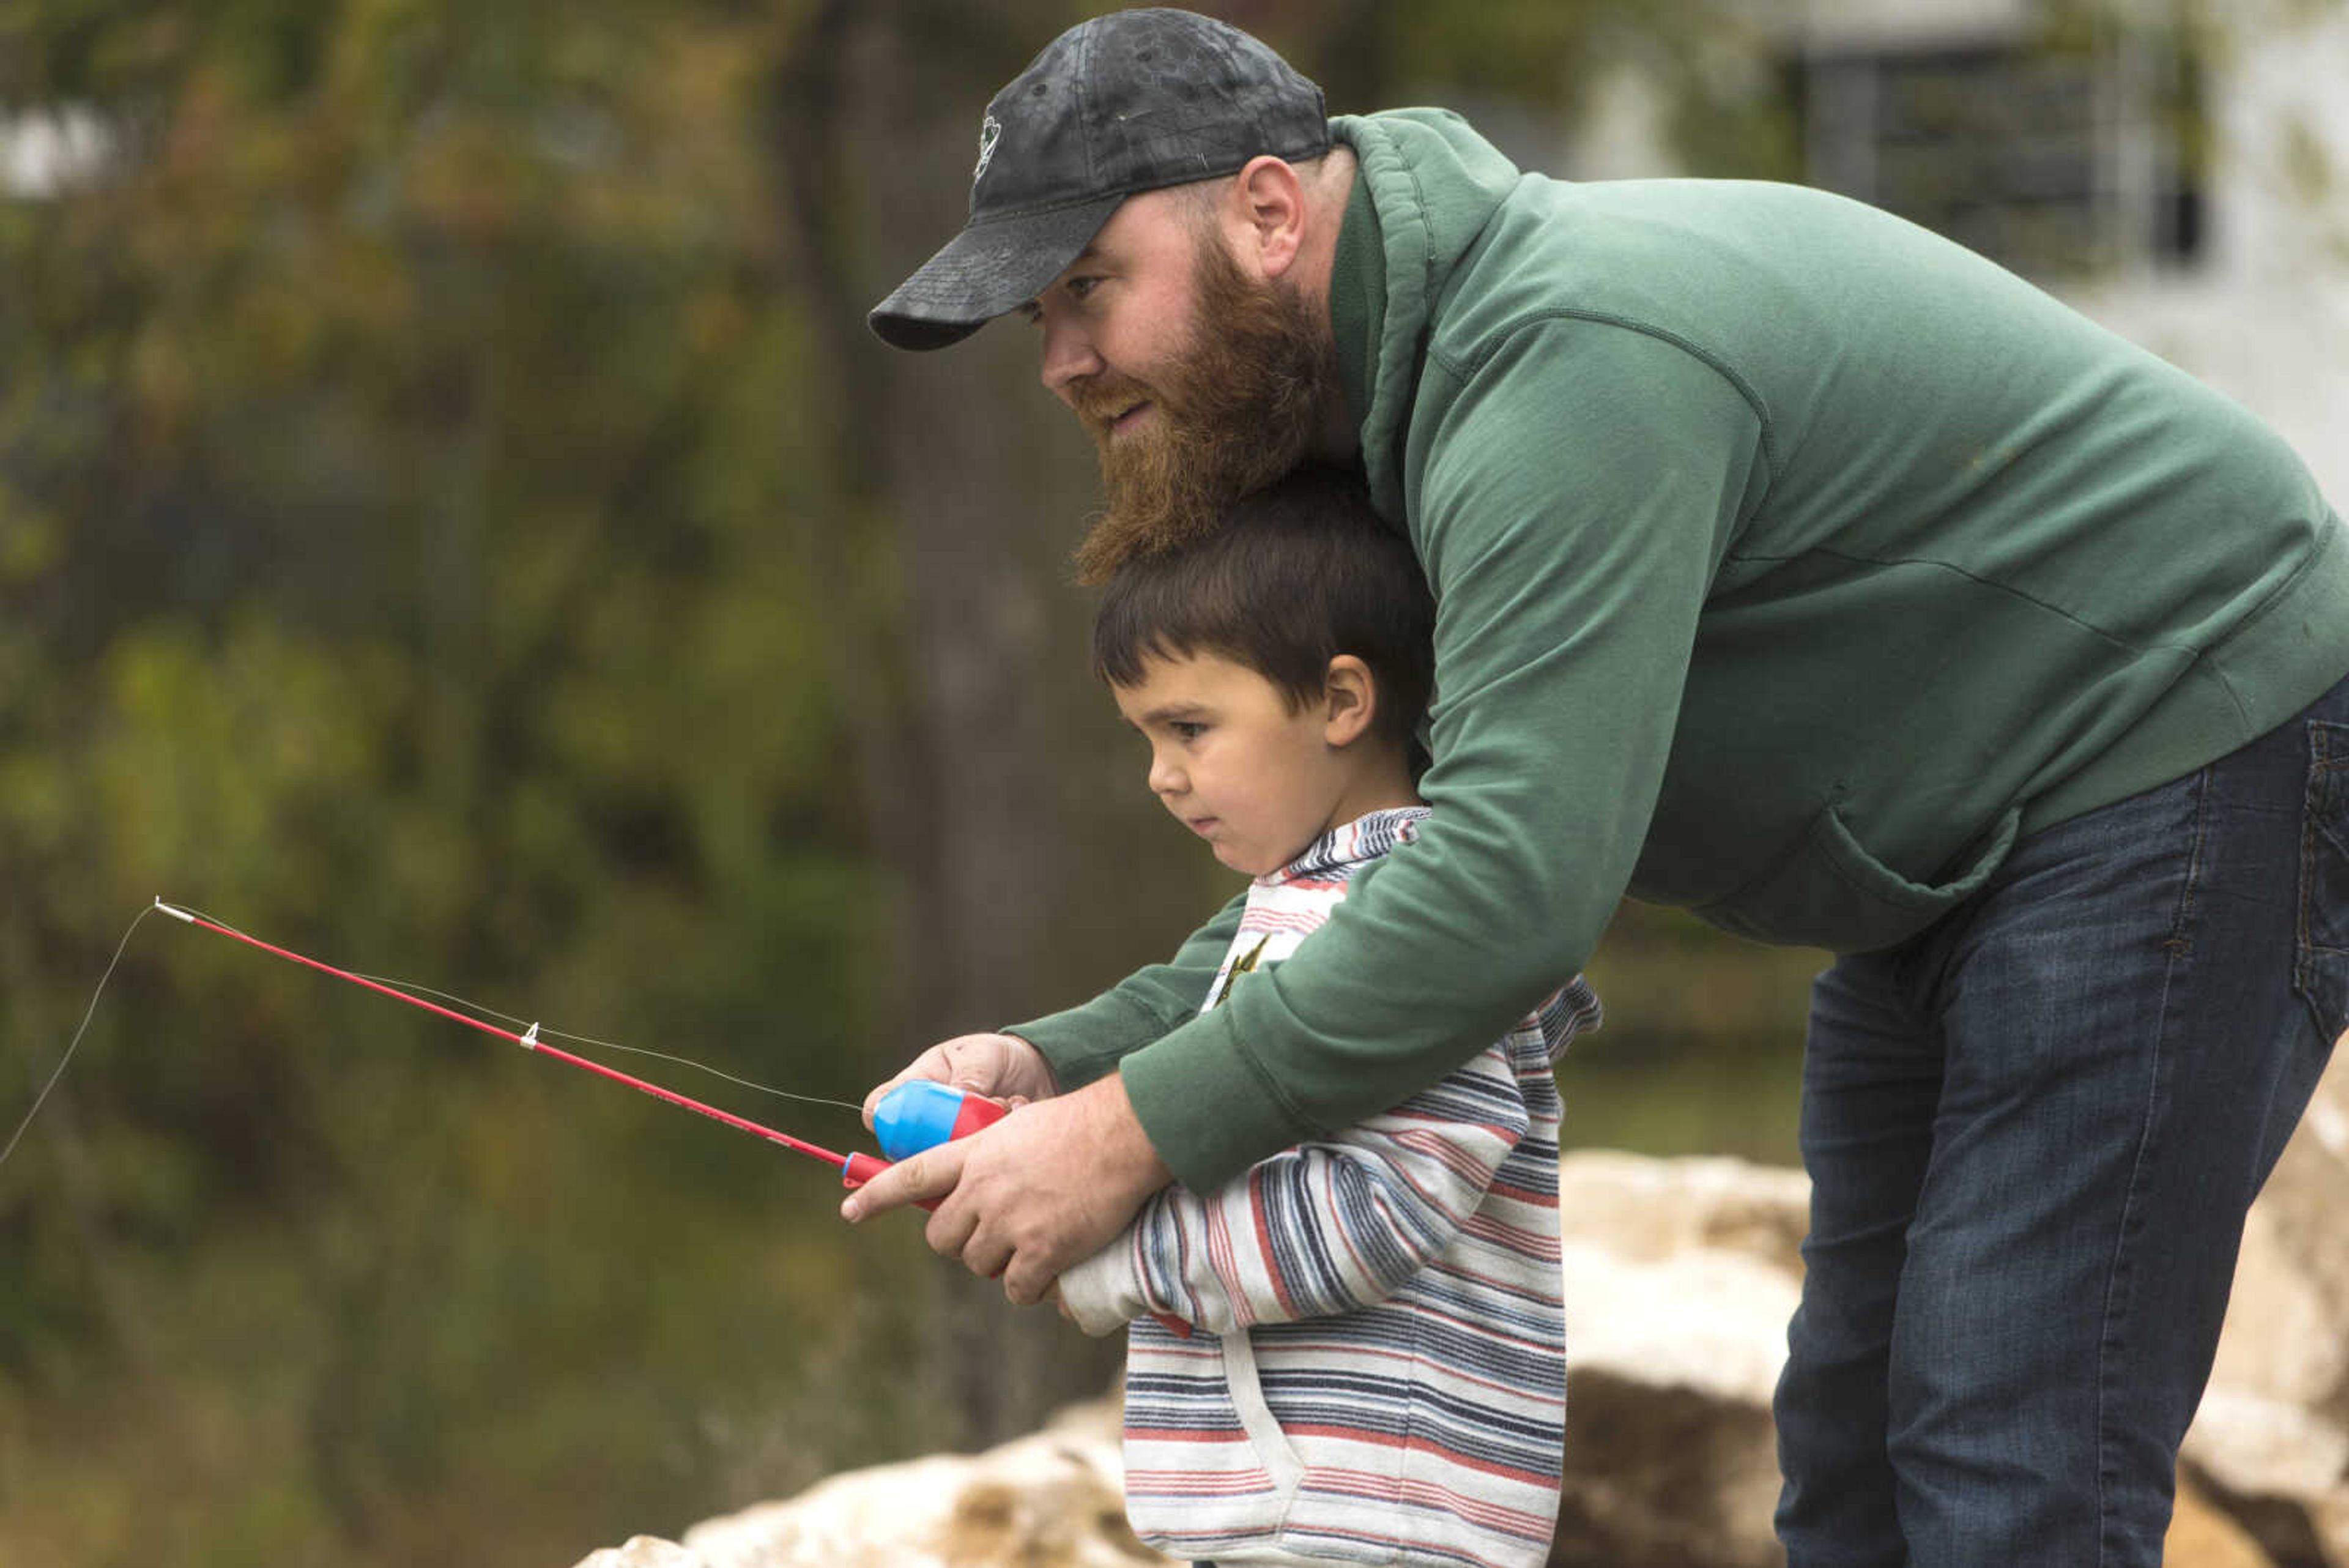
(1789, 562)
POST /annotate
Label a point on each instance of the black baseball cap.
(1131, 101)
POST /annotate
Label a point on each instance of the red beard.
(1238, 407)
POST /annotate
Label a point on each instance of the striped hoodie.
(1382, 1377)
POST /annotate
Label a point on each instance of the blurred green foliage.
(451, 522)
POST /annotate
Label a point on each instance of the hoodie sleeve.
(1084, 1042)
(1328, 1227)
(1575, 494)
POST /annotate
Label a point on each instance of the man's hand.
(1042, 1188)
(1000, 1067)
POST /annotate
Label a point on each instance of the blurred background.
(454, 521)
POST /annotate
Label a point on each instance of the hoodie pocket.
(1832, 892)
(1208, 1471)
(1273, 1449)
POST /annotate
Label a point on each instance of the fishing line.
(856, 1168)
(417, 989)
(42, 1098)
(488, 1012)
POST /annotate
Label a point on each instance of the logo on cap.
(990, 131)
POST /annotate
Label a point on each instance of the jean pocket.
(2321, 965)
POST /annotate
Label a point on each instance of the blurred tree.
(871, 122)
(397, 431)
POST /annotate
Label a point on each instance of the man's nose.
(1068, 357)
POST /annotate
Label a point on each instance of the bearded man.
(1795, 567)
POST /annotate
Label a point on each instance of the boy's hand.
(1000, 1067)
(1044, 1187)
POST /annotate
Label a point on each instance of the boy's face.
(1228, 756)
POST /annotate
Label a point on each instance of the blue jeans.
(2032, 1132)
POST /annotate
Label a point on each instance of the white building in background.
(44, 153)
(2195, 200)
(2265, 316)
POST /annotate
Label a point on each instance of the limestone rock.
(642, 1551)
(1053, 1499)
(2272, 1439)
(1641, 1209)
(2202, 1536)
(1681, 1275)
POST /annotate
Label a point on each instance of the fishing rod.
(912, 1116)
(916, 1115)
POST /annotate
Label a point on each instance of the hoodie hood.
(1425, 189)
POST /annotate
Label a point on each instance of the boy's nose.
(1165, 777)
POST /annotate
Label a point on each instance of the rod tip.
(176, 914)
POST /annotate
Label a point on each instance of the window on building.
(2056, 162)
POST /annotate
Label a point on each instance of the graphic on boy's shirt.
(1240, 966)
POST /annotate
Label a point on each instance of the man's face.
(1121, 311)
(1197, 380)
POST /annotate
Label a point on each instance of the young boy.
(1381, 1375)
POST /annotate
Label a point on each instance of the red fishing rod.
(914, 1116)
(855, 1170)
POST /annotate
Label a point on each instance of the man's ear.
(1269, 210)
(1349, 701)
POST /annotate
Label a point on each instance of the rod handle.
(860, 1168)
(921, 1113)
(924, 1103)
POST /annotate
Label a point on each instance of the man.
(1794, 566)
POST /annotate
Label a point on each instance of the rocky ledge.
(1681, 1275)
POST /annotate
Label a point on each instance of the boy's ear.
(1350, 699)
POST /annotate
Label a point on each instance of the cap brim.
(985, 270)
